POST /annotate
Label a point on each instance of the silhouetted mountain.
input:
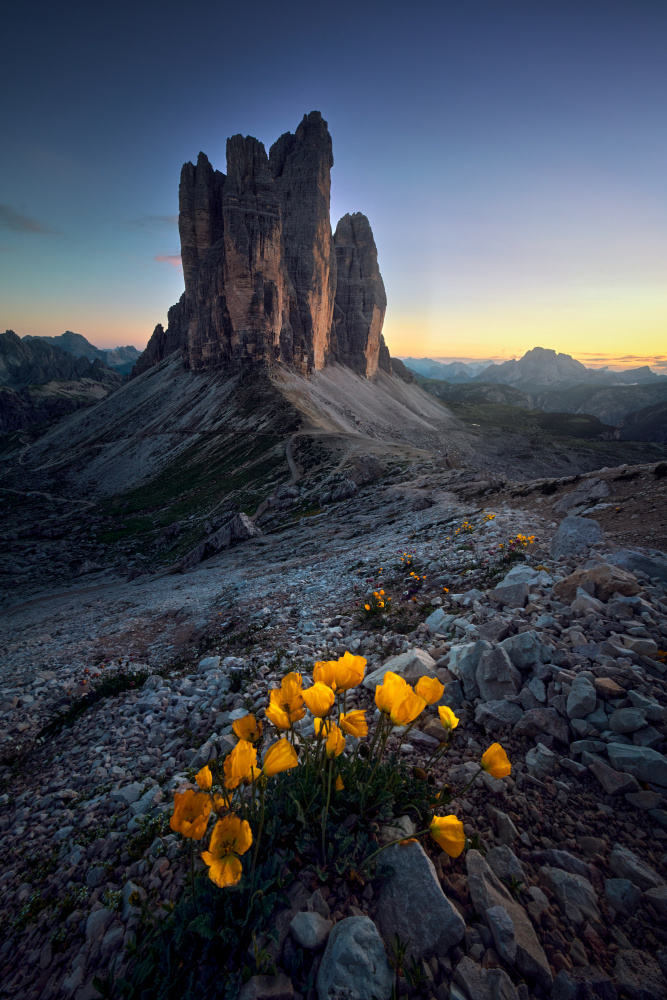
(647, 424)
(543, 368)
(121, 359)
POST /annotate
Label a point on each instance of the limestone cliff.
(261, 266)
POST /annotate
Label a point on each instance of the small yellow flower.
(319, 699)
(447, 831)
(191, 812)
(495, 761)
(430, 689)
(204, 778)
(339, 786)
(286, 702)
(239, 763)
(447, 717)
(335, 743)
(231, 836)
(248, 728)
(354, 723)
(279, 757)
(367, 606)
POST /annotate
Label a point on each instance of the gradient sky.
(511, 157)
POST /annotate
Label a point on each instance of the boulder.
(536, 721)
(625, 864)
(496, 715)
(238, 528)
(504, 863)
(657, 898)
(412, 665)
(622, 895)
(574, 536)
(411, 903)
(574, 893)
(639, 976)
(510, 595)
(541, 762)
(496, 675)
(653, 564)
(483, 984)
(486, 891)
(463, 661)
(587, 983)
(582, 698)
(526, 649)
(643, 762)
(606, 579)
(310, 929)
(500, 924)
(613, 782)
(586, 492)
(354, 965)
(627, 720)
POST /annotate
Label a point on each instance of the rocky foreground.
(552, 644)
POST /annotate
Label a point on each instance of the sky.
(511, 157)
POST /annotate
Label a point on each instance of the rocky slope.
(261, 266)
(557, 655)
(647, 424)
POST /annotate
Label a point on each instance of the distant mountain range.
(121, 359)
(539, 369)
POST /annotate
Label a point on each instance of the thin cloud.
(169, 258)
(151, 221)
(11, 219)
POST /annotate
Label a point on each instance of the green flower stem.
(390, 844)
(262, 795)
(325, 813)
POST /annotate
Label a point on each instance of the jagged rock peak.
(260, 263)
(360, 298)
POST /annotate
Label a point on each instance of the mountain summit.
(265, 279)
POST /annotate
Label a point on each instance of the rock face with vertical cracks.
(265, 281)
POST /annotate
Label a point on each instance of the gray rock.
(208, 663)
(582, 698)
(310, 930)
(644, 800)
(638, 976)
(411, 903)
(651, 565)
(583, 984)
(537, 688)
(646, 764)
(501, 926)
(562, 859)
(536, 721)
(483, 984)
(496, 675)
(574, 536)
(575, 894)
(96, 925)
(653, 711)
(438, 621)
(613, 782)
(278, 987)
(586, 491)
(463, 661)
(584, 603)
(511, 595)
(496, 715)
(625, 864)
(540, 761)
(486, 890)
(412, 665)
(504, 863)
(525, 649)
(355, 965)
(658, 899)
(627, 720)
(127, 795)
(526, 574)
(622, 895)
(237, 529)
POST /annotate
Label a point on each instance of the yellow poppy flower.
(447, 831)
(279, 757)
(248, 728)
(204, 778)
(339, 785)
(341, 674)
(335, 743)
(354, 723)
(319, 699)
(231, 836)
(392, 690)
(239, 763)
(191, 812)
(447, 717)
(286, 702)
(407, 710)
(495, 761)
(430, 689)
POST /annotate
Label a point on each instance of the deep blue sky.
(511, 157)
